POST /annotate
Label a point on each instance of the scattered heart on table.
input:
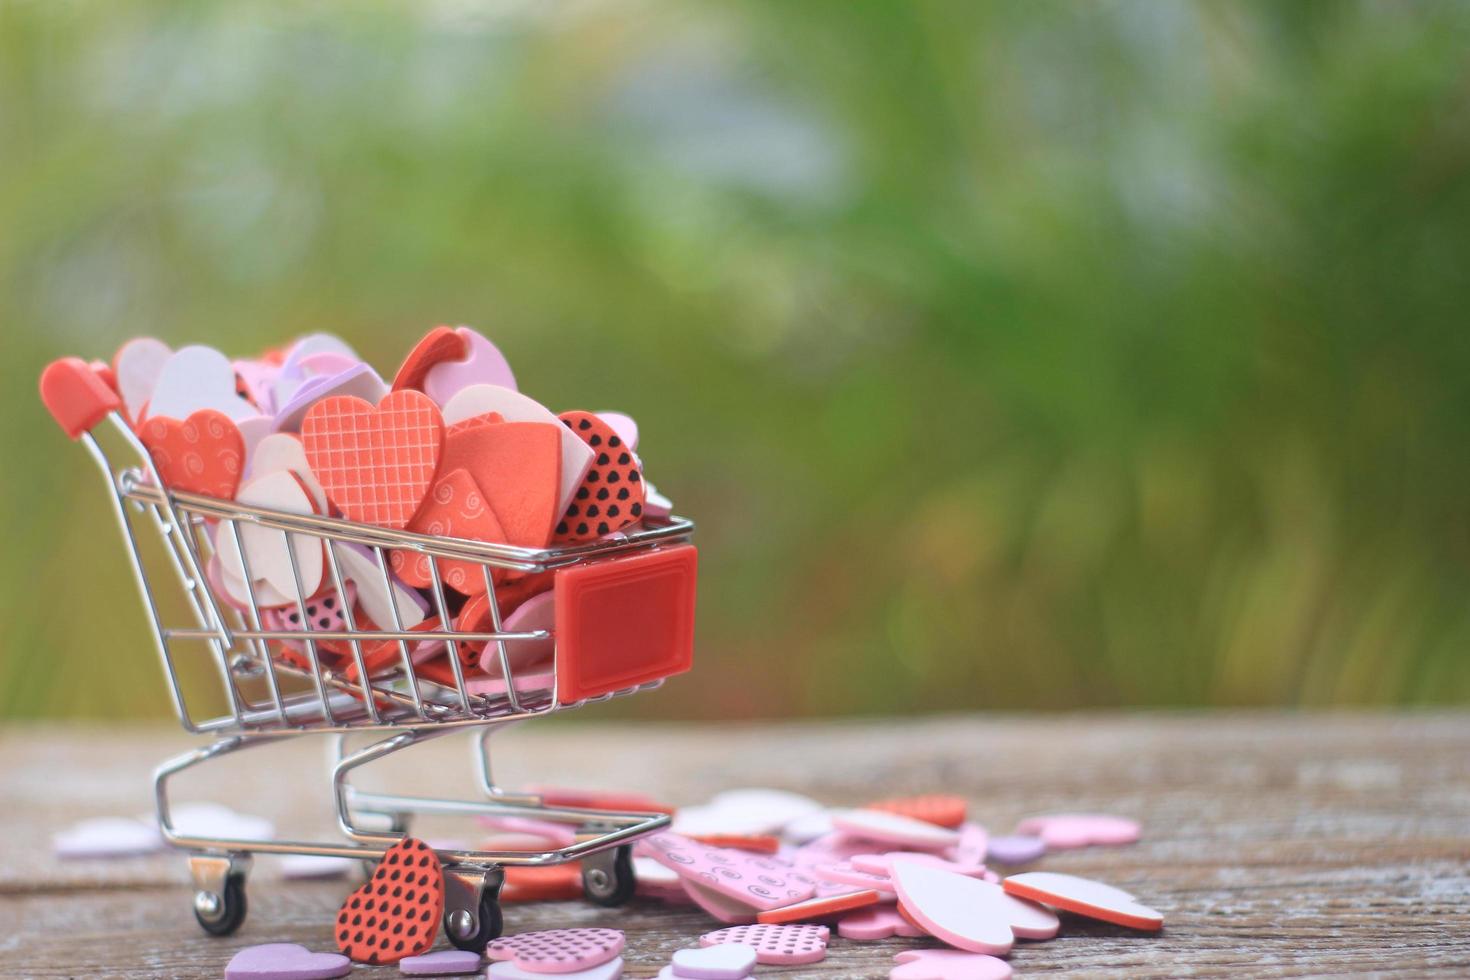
(723, 961)
(441, 963)
(822, 906)
(1085, 897)
(285, 961)
(879, 922)
(893, 828)
(611, 970)
(1063, 831)
(558, 950)
(759, 882)
(396, 913)
(776, 945)
(936, 808)
(947, 964)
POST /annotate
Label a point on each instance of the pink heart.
(775, 945)
(285, 961)
(894, 829)
(966, 913)
(882, 864)
(757, 881)
(558, 950)
(1085, 897)
(947, 964)
(876, 923)
(483, 364)
(1062, 831)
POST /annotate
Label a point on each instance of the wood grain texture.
(1277, 845)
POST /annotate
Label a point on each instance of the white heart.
(360, 567)
(196, 378)
(265, 548)
(965, 912)
(727, 961)
(505, 970)
(282, 452)
(477, 400)
(893, 828)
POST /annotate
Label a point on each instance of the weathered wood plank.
(1278, 845)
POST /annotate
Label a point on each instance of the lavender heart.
(445, 962)
(286, 961)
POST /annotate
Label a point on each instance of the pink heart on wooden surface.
(882, 864)
(966, 913)
(558, 950)
(877, 922)
(894, 829)
(285, 961)
(1085, 897)
(753, 880)
(776, 945)
(947, 964)
(1062, 831)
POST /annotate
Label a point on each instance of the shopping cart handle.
(76, 395)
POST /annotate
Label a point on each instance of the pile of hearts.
(448, 447)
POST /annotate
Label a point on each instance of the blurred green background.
(1009, 355)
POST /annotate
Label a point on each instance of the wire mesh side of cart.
(285, 679)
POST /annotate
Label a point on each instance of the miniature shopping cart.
(624, 618)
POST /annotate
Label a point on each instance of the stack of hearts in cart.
(447, 447)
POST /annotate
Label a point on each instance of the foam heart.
(972, 846)
(947, 964)
(454, 508)
(376, 464)
(396, 913)
(1014, 849)
(611, 970)
(935, 808)
(293, 372)
(439, 344)
(655, 504)
(966, 913)
(357, 381)
(257, 380)
(745, 811)
(558, 950)
(379, 593)
(536, 613)
(482, 363)
(282, 452)
(808, 828)
(442, 963)
(759, 882)
(775, 945)
(136, 368)
(822, 906)
(757, 843)
(834, 848)
(891, 828)
(878, 922)
(1062, 831)
(846, 874)
(724, 961)
(611, 495)
(719, 906)
(203, 454)
(516, 466)
(285, 961)
(107, 837)
(484, 399)
(1085, 897)
(325, 613)
(195, 378)
(214, 820)
(265, 549)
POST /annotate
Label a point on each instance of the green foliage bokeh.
(1009, 355)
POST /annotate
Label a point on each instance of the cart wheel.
(491, 925)
(608, 878)
(220, 914)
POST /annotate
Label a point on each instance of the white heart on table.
(894, 829)
(107, 837)
(727, 961)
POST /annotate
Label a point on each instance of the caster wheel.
(221, 914)
(608, 878)
(491, 925)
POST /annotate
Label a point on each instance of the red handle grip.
(76, 396)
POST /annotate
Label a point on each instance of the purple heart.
(445, 962)
(286, 961)
(1016, 849)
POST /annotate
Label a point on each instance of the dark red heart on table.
(611, 495)
(438, 345)
(204, 453)
(455, 508)
(396, 914)
(517, 465)
(375, 464)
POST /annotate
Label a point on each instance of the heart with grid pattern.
(376, 464)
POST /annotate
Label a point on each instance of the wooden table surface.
(1276, 844)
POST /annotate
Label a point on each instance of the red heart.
(517, 465)
(455, 508)
(611, 495)
(396, 914)
(439, 344)
(375, 464)
(936, 808)
(205, 453)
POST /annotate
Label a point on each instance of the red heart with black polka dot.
(396, 914)
(611, 495)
